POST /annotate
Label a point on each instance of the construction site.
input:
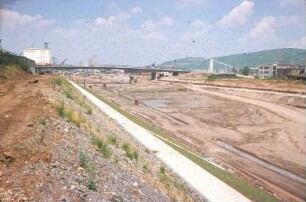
(252, 128)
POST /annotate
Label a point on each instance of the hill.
(281, 56)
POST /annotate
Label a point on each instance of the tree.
(246, 71)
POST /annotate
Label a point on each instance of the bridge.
(127, 69)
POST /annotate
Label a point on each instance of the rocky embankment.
(70, 151)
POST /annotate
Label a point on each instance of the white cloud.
(183, 4)
(201, 35)
(150, 30)
(136, 10)
(167, 21)
(114, 20)
(301, 43)
(285, 3)
(199, 24)
(290, 21)
(266, 28)
(11, 20)
(263, 30)
(238, 15)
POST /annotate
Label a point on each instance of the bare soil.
(40, 152)
(199, 117)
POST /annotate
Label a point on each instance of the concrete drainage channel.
(261, 162)
(208, 185)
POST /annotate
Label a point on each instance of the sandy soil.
(197, 116)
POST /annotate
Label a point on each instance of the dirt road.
(285, 112)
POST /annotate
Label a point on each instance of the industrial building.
(277, 70)
(41, 57)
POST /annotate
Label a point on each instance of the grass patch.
(111, 139)
(85, 163)
(8, 71)
(70, 92)
(89, 111)
(91, 185)
(129, 152)
(249, 190)
(102, 146)
(72, 116)
(146, 168)
(41, 121)
(162, 170)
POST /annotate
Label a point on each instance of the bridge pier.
(175, 73)
(153, 75)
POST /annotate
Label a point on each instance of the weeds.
(162, 170)
(145, 168)
(102, 146)
(89, 111)
(57, 81)
(83, 160)
(91, 185)
(41, 121)
(85, 163)
(126, 146)
(71, 115)
(111, 139)
(130, 153)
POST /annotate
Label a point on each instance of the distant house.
(277, 70)
(297, 74)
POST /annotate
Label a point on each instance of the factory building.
(277, 70)
(41, 57)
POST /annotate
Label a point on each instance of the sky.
(130, 32)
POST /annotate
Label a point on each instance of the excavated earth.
(40, 153)
(196, 115)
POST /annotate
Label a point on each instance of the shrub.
(162, 170)
(91, 185)
(61, 111)
(111, 139)
(83, 160)
(102, 146)
(89, 111)
(126, 146)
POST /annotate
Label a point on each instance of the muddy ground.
(198, 118)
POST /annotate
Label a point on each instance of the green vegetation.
(91, 185)
(41, 121)
(129, 152)
(162, 170)
(249, 190)
(246, 71)
(70, 92)
(10, 59)
(102, 146)
(283, 56)
(71, 115)
(111, 139)
(145, 167)
(8, 71)
(85, 163)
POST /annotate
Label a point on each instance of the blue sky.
(142, 32)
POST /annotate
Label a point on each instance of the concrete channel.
(261, 162)
(205, 183)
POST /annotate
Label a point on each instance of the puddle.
(261, 162)
(156, 103)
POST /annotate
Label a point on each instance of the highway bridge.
(127, 69)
